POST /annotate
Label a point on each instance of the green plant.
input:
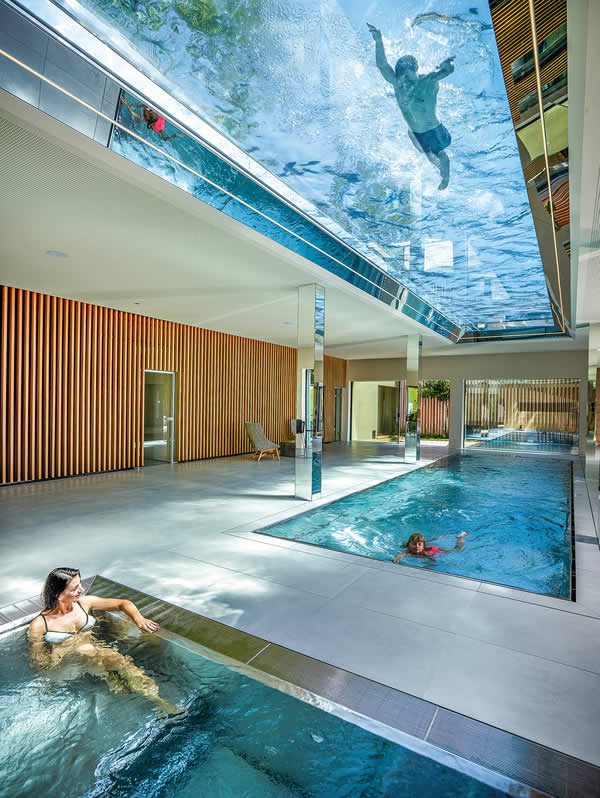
(436, 389)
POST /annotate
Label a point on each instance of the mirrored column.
(412, 400)
(309, 390)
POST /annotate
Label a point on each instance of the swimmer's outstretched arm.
(400, 556)
(460, 542)
(124, 605)
(380, 59)
(130, 109)
(445, 68)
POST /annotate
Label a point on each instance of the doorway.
(337, 425)
(159, 417)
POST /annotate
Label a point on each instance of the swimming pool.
(64, 733)
(529, 440)
(516, 511)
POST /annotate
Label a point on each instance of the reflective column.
(309, 390)
(412, 400)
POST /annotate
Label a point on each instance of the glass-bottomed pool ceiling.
(297, 85)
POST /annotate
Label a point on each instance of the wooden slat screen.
(72, 387)
(548, 405)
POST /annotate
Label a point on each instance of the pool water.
(516, 511)
(531, 441)
(62, 732)
(295, 86)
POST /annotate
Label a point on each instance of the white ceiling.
(136, 243)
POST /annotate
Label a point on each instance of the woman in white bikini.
(66, 624)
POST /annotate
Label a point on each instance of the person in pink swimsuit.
(419, 547)
(153, 120)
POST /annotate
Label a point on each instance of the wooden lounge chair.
(259, 440)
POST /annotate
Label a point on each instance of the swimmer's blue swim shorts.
(434, 140)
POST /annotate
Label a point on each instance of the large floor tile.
(544, 701)
(389, 650)
(170, 577)
(430, 603)
(563, 637)
(253, 605)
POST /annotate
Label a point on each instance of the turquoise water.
(514, 509)
(62, 733)
(295, 85)
(531, 441)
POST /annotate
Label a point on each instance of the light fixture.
(57, 254)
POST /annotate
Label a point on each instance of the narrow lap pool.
(62, 732)
(516, 511)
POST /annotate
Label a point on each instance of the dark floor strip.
(586, 539)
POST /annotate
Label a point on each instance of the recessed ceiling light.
(136, 303)
(56, 254)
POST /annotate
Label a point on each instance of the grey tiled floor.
(524, 663)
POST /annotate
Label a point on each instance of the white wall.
(456, 368)
(365, 406)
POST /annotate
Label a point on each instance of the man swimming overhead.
(416, 96)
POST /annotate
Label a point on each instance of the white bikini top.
(59, 637)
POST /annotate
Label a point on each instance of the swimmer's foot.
(444, 183)
(462, 534)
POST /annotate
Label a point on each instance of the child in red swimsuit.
(419, 547)
(153, 120)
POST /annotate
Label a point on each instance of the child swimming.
(419, 547)
(154, 121)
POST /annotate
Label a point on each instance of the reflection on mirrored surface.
(412, 404)
(309, 390)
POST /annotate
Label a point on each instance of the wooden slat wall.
(550, 405)
(434, 416)
(72, 387)
(334, 376)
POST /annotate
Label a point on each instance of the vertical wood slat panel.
(4, 367)
(72, 387)
(32, 392)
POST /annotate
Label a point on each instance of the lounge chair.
(259, 440)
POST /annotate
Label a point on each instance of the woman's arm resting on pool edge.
(124, 605)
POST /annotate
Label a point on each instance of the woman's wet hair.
(416, 537)
(56, 582)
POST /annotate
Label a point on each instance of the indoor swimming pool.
(515, 510)
(529, 441)
(63, 732)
